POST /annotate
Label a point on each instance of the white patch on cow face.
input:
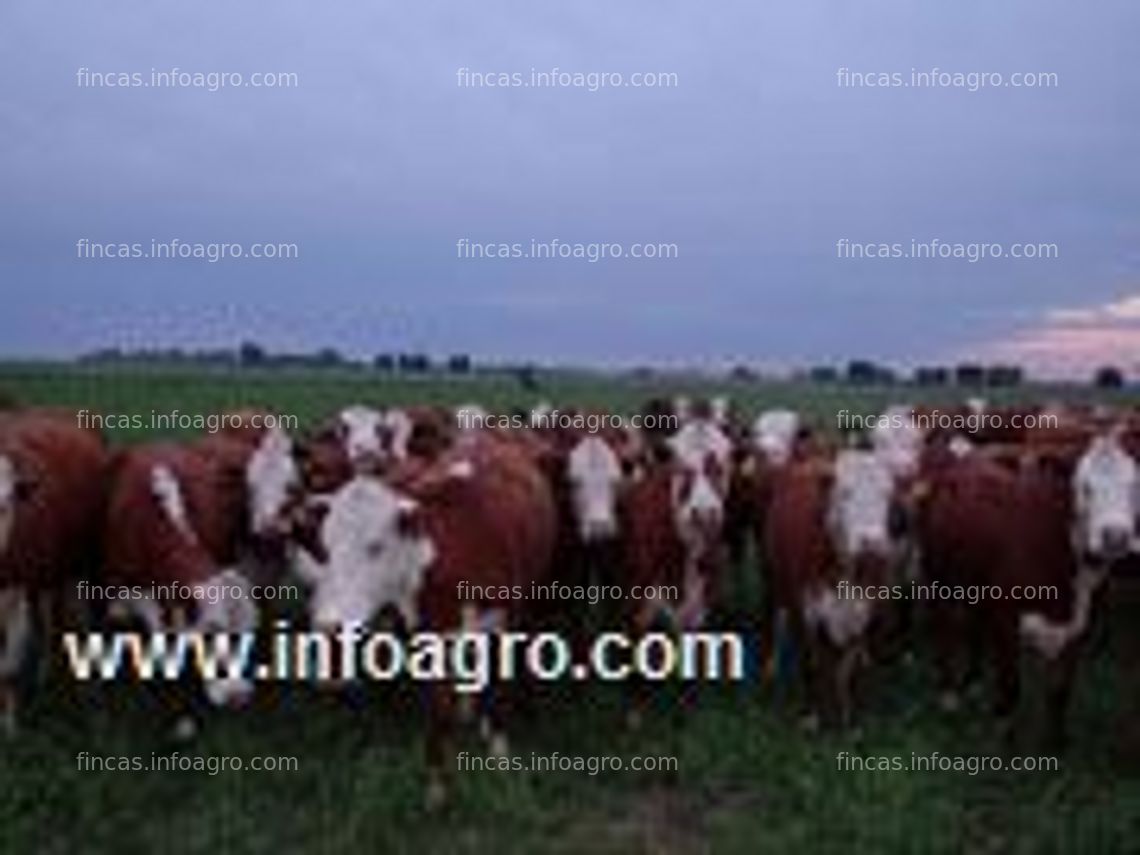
(960, 447)
(719, 407)
(372, 563)
(698, 493)
(698, 507)
(226, 606)
(8, 490)
(843, 620)
(361, 433)
(168, 492)
(595, 475)
(898, 440)
(1105, 487)
(399, 426)
(271, 475)
(15, 631)
(860, 503)
(694, 442)
(774, 434)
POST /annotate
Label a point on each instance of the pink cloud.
(1074, 342)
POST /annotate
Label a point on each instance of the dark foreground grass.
(749, 779)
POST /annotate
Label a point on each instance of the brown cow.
(831, 551)
(1056, 522)
(179, 519)
(361, 439)
(51, 498)
(480, 518)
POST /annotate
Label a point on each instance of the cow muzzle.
(595, 529)
(1115, 542)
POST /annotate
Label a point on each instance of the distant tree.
(384, 362)
(413, 363)
(328, 357)
(931, 375)
(862, 372)
(1003, 375)
(823, 374)
(527, 376)
(251, 353)
(1108, 377)
(969, 374)
(743, 373)
(459, 363)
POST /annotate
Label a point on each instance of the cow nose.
(705, 519)
(598, 528)
(239, 699)
(872, 544)
(1115, 541)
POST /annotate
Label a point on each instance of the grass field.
(749, 780)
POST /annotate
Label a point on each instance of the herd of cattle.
(388, 510)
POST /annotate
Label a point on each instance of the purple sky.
(755, 164)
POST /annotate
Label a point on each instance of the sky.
(754, 165)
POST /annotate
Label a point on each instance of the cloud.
(1073, 342)
(1125, 310)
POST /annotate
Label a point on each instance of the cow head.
(376, 553)
(774, 435)
(396, 429)
(272, 478)
(361, 430)
(898, 441)
(861, 505)
(595, 474)
(14, 489)
(698, 491)
(1106, 490)
(225, 605)
(702, 460)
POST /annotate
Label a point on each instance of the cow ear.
(302, 452)
(305, 519)
(25, 488)
(633, 468)
(409, 520)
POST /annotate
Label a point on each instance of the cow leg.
(1059, 673)
(186, 695)
(639, 690)
(500, 698)
(440, 743)
(1007, 672)
(814, 668)
(847, 665)
(767, 635)
(15, 634)
(948, 641)
(49, 609)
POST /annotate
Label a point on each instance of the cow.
(365, 439)
(897, 437)
(774, 434)
(185, 517)
(830, 550)
(769, 446)
(672, 523)
(1055, 521)
(482, 515)
(51, 498)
